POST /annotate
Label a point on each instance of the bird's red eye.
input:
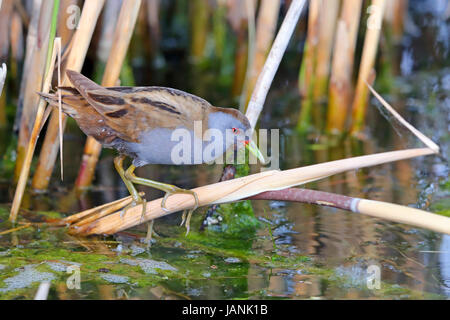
(235, 130)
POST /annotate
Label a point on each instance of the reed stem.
(265, 32)
(276, 53)
(308, 66)
(33, 76)
(75, 59)
(367, 63)
(340, 90)
(122, 36)
(241, 188)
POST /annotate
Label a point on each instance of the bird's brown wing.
(88, 119)
(133, 110)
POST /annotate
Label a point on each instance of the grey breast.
(171, 146)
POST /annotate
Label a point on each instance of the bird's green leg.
(167, 188)
(137, 199)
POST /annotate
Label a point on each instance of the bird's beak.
(251, 146)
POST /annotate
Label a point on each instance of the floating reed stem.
(75, 59)
(241, 188)
(33, 76)
(276, 53)
(369, 53)
(377, 209)
(265, 32)
(340, 89)
(122, 36)
(308, 66)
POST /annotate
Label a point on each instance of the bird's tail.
(70, 102)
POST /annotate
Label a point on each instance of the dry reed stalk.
(75, 59)
(395, 17)
(240, 60)
(122, 36)
(308, 66)
(17, 49)
(33, 76)
(65, 14)
(81, 215)
(199, 16)
(377, 209)
(240, 15)
(265, 32)
(30, 44)
(23, 177)
(367, 62)
(276, 53)
(327, 20)
(250, 8)
(153, 22)
(241, 188)
(111, 12)
(342, 66)
(3, 72)
(22, 12)
(6, 11)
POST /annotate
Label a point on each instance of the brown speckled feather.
(132, 110)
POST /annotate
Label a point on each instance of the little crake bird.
(139, 123)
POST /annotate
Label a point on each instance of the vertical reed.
(238, 20)
(308, 66)
(37, 49)
(122, 36)
(39, 116)
(5, 21)
(199, 16)
(265, 32)
(340, 88)
(327, 17)
(75, 59)
(369, 53)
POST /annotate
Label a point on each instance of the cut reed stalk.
(327, 17)
(122, 36)
(34, 71)
(241, 188)
(342, 66)
(265, 32)
(308, 66)
(276, 53)
(367, 62)
(75, 59)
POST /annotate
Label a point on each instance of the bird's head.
(232, 121)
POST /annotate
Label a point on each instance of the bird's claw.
(186, 218)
